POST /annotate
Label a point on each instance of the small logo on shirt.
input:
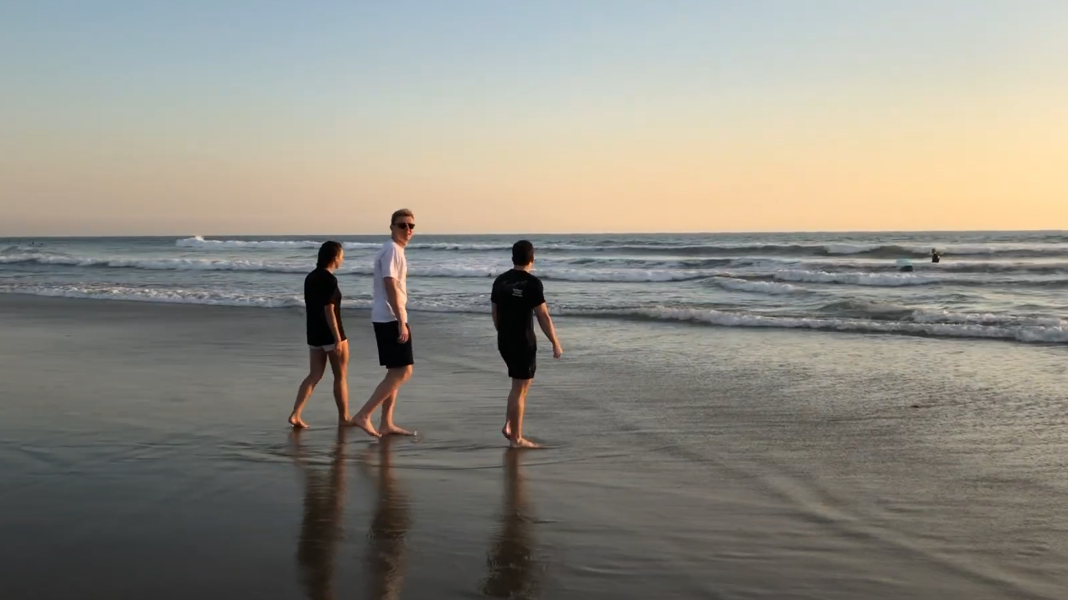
(518, 293)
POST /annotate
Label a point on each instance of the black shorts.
(391, 353)
(522, 360)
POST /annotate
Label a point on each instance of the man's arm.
(496, 318)
(393, 297)
(541, 311)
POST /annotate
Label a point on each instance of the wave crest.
(759, 287)
(1023, 328)
(1018, 332)
(724, 249)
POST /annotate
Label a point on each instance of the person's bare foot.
(345, 421)
(506, 431)
(394, 430)
(365, 424)
(524, 443)
(296, 422)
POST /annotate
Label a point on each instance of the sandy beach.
(145, 454)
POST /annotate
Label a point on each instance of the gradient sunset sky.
(196, 117)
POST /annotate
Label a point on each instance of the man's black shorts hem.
(522, 361)
(391, 353)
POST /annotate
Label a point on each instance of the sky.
(150, 117)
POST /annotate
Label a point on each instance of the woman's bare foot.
(296, 422)
(365, 424)
(524, 443)
(394, 430)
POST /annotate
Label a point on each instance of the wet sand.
(145, 454)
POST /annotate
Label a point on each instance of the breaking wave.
(751, 278)
(889, 251)
(759, 287)
(456, 271)
(1018, 331)
(866, 279)
(879, 320)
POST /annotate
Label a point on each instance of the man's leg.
(517, 400)
(339, 364)
(316, 368)
(385, 424)
(386, 390)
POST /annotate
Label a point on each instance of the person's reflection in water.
(320, 528)
(389, 526)
(511, 559)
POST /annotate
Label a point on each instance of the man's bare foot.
(524, 443)
(394, 430)
(296, 422)
(506, 431)
(365, 424)
(345, 421)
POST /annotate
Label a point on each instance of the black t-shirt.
(516, 293)
(320, 289)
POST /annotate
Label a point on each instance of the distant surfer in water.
(935, 257)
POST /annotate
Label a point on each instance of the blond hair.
(404, 212)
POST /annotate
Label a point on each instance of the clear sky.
(266, 116)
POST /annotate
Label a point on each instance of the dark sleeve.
(495, 296)
(331, 293)
(312, 292)
(535, 293)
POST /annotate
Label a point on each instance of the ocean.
(992, 285)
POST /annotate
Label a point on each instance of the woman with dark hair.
(326, 335)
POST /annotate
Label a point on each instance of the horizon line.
(532, 234)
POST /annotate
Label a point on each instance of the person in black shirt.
(935, 257)
(326, 334)
(518, 296)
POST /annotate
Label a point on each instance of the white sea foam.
(446, 271)
(743, 279)
(900, 279)
(988, 319)
(759, 287)
(867, 279)
(165, 296)
(213, 297)
(913, 251)
(1023, 333)
(885, 250)
(161, 264)
(924, 323)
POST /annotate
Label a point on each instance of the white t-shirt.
(389, 262)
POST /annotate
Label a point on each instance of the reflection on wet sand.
(511, 557)
(320, 528)
(389, 526)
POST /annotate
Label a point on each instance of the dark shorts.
(391, 353)
(521, 359)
